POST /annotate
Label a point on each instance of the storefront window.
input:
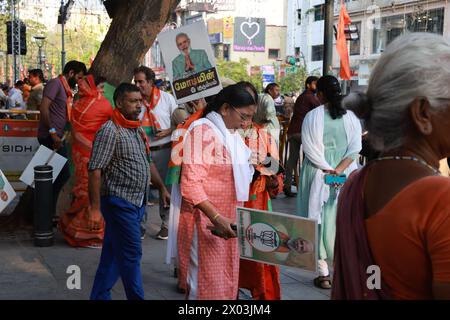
(319, 12)
(317, 53)
(355, 45)
(420, 21)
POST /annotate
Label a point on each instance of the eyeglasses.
(244, 117)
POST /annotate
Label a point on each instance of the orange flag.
(341, 43)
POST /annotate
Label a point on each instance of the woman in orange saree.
(89, 113)
(261, 279)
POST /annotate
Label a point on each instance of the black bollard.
(43, 206)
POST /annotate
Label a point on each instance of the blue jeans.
(122, 250)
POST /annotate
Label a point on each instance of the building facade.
(87, 13)
(229, 22)
(378, 22)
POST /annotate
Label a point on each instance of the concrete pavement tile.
(27, 285)
(28, 272)
(299, 292)
(285, 279)
(20, 261)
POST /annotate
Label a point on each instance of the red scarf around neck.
(149, 121)
(120, 120)
(155, 96)
(69, 94)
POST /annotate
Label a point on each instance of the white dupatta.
(312, 142)
(242, 172)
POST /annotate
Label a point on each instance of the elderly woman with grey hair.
(393, 220)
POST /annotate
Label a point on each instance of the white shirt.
(163, 112)
(15, 99)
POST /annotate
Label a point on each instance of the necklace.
(436, 171)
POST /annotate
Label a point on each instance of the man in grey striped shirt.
(119, 173)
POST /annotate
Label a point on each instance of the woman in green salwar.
(331, 139)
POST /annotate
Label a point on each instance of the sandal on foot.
(323, 282)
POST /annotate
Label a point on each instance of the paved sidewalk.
(28, 272)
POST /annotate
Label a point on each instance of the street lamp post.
(64, 12)
(328, 38)
(63, 52)
(40, 43)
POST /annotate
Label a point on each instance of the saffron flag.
(341, 43)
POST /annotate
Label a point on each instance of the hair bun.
(359, 103)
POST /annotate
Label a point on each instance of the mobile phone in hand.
(335, 179)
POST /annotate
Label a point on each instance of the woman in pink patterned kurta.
(209, 264)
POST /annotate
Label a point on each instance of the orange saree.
(261, 279)
(89, 113)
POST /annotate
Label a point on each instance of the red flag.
(341, 43)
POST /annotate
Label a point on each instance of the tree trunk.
(130, 36)
(132, 32)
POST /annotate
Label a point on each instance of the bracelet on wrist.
(52, 131)
(216, 216)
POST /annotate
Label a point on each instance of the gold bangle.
(215, 217)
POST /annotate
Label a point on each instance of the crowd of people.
(208, 156)
(24, 95)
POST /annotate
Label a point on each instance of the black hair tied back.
(331, 89)
(235, 95)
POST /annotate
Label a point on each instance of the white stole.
(242, 172)
(312, 142)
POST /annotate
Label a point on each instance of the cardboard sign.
(277, 238)
(7, 193)
(190, 62)
(43, 156)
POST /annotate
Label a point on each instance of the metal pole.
(40, 57)
(6, 66)
(344, 87)
(44, 208)
(19, 42)
(13, 30)
(63, 53)
(328, 38)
